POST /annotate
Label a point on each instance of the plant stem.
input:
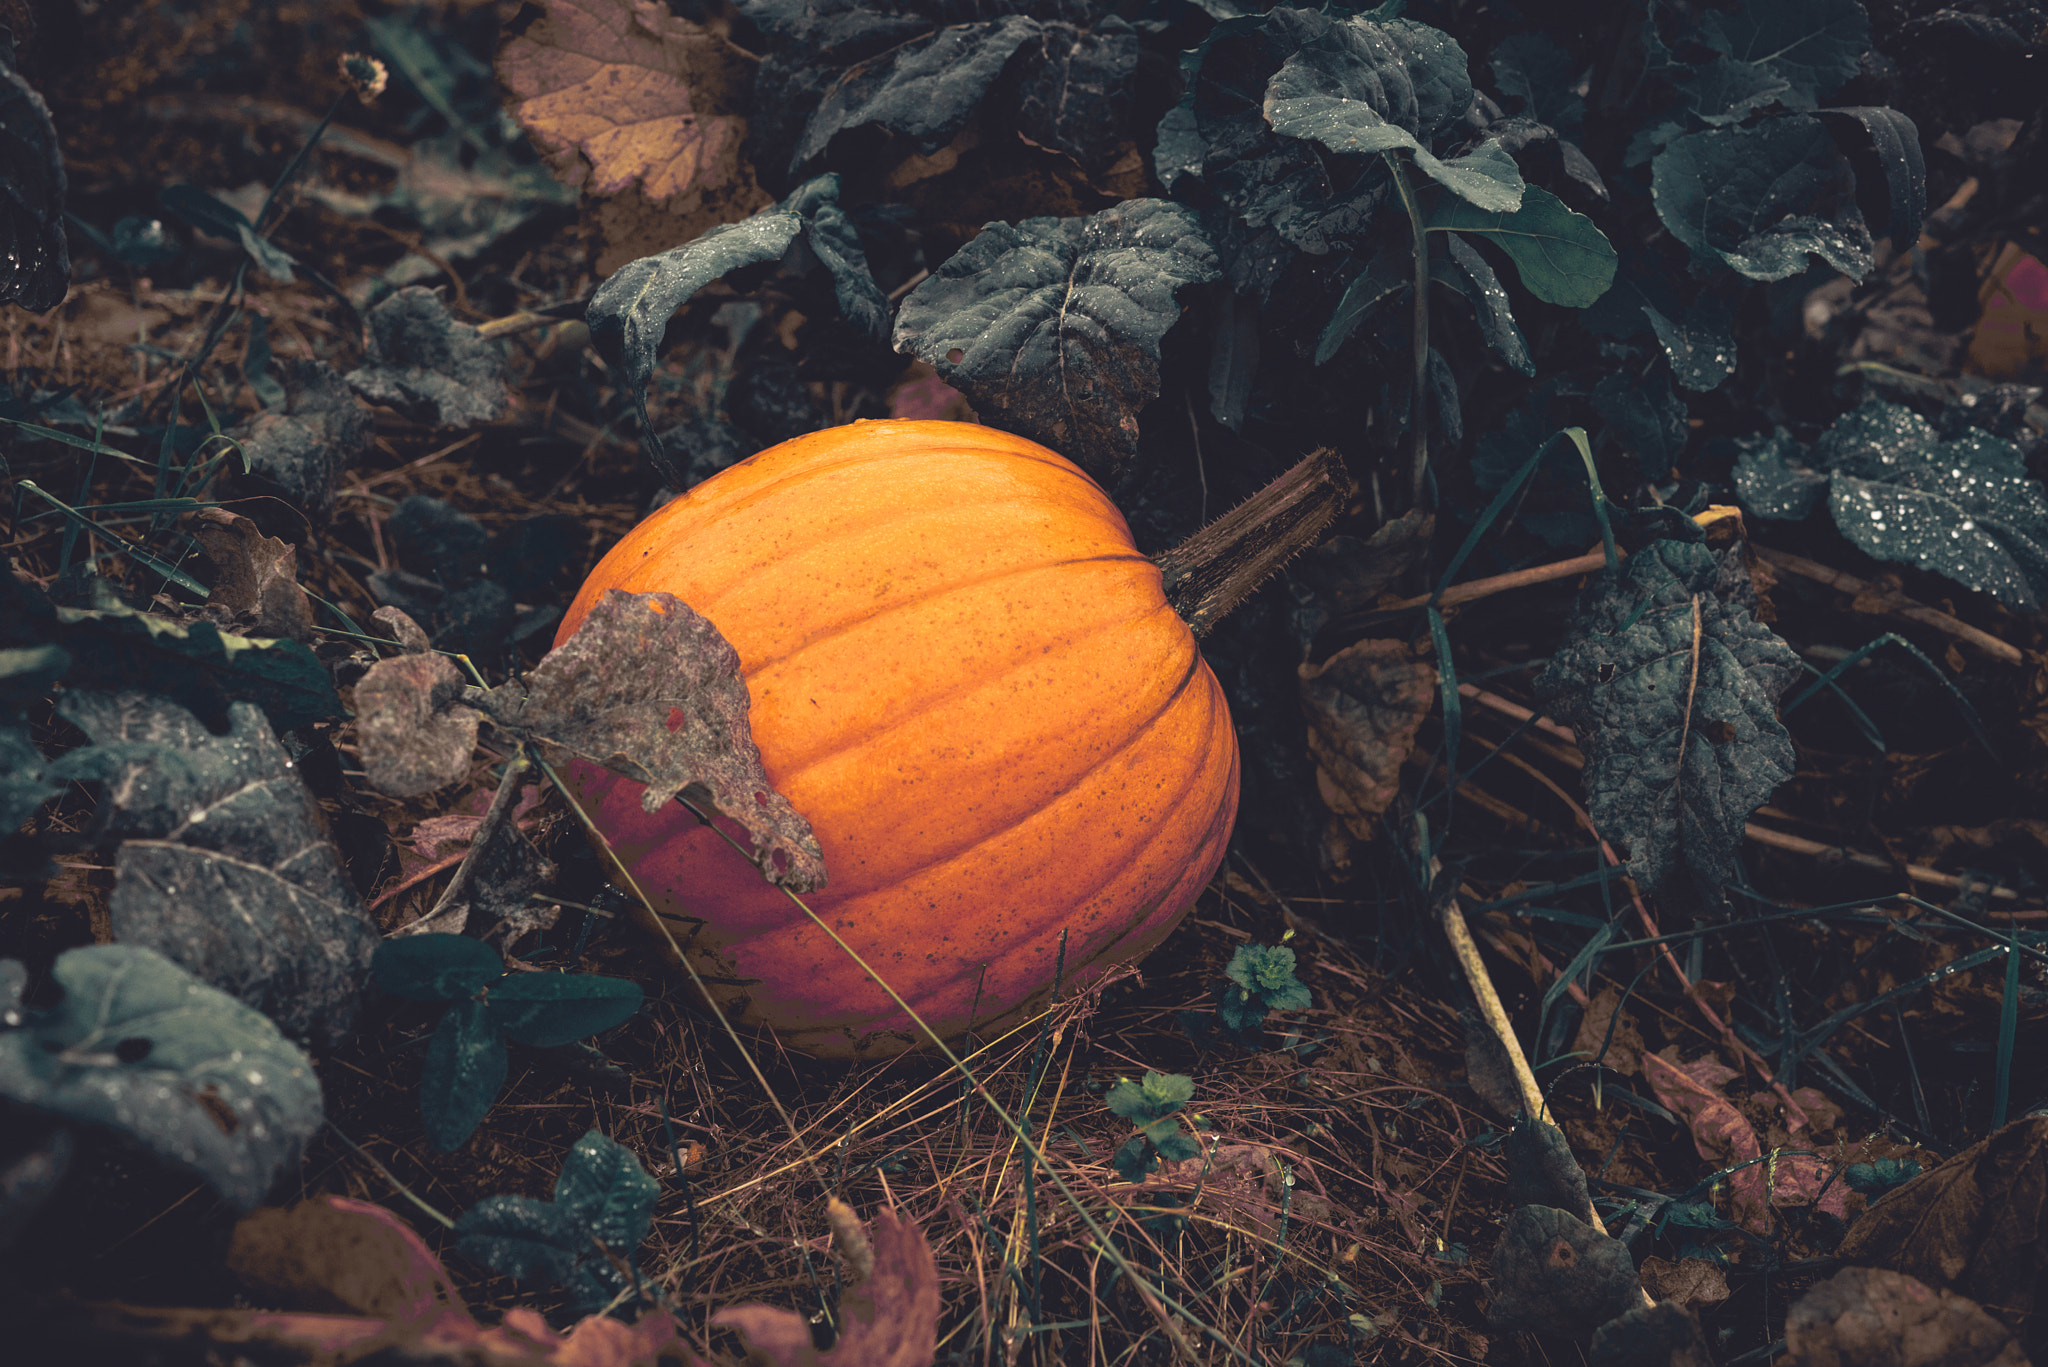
(1418, 398)
(1217, 568)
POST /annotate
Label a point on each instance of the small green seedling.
(1261, 982)
(1875, 1179)
(604, 1203)
(487, 1006)
(1153, 1106)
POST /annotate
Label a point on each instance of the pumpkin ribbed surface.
(967, 678)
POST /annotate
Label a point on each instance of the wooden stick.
(1897, 604)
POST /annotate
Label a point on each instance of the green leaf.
(218, 219)
(1160, 1094)
(1671, 685)
(1874, 1179)
(1485, 177)
(1490, 304)
(197, 665)
(1052, 327)
(224, 866)
(436, 968)
(1966, 508)
(1135, 1159)
(464, 1073)
(1812, 47)
(1773, 481)
(1646, 415)
(544, 1010)
(1561, 257)
(1178, 1147)
(137, 1045)
(1387, 273)
(602, 1194)
(603, 1188)
(1760, 199)
(530, 1241)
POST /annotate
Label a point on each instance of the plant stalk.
(1418, 397)
(1211, 572)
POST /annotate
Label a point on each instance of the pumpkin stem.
(1217, 568)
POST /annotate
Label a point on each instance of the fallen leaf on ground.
(1972, 1224)
(1689, 1281)
(336, 1255)
(1868, 1317)
(1364, 705)
(1556, 1274)
(889, 1320)
(1724, 1137)
(631, 89)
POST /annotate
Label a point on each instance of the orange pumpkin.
(967, 678)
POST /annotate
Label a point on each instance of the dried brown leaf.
(1689, 1281)
(1621, 1050)
(416, 734)
(1724, 1137)
(1364, 705)
(1868, 1317)
(1972, 1224)
(255, 577)
(340, 1256)
(633, 90)
(889, 1320)
(1556, 1274)
(650, 690)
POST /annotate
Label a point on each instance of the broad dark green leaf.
(1700, 341)
(436, 968)
(1964, 508)
(137, 1045)
(464, 1073)
(602, 1194)
(1774, 481)
(1561, 257)
(224, 866)
(1812, 46)
(832, 238)
(603, 1188)
(1052, 327)
(923, 90)
(1490, 304)
(544, 1010)
(1760, 199)
(1646, 415)
(1389, 271)
(530, 1241)
(199, 666)
(1884, 147)
(1156, 1096)
(1671, 686)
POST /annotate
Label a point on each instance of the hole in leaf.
(218, 1110)
(134, 1049)
(955, 356)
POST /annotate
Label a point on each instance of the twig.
(1897, 604)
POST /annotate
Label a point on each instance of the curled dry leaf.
(1608, 1034)
(650, 690)
(1725, 1138)
(339, 1256)
(1661, 1335)
(415, 732)
(1973, 1224)
(255, 577)
(889, 1320)
(1364, 705)
(1868, 1317)
(1689, 1281)
(631, 90)
(1556, 1274)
